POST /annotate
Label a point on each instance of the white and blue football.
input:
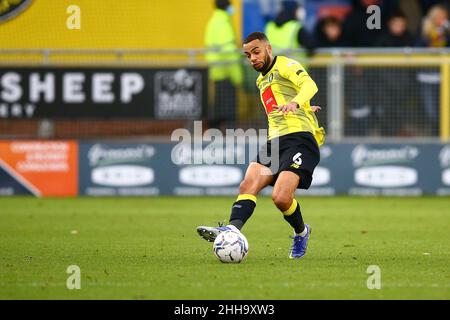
(230, 247)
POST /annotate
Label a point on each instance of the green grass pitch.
(147, 248)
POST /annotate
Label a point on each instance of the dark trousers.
(223, 113)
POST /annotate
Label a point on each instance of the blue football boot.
(299, 244)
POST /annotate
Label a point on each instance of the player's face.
(259, 54)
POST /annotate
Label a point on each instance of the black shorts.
(298, 152)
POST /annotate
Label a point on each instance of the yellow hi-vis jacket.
(283, 37)
(222, 56)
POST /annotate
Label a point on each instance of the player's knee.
(282, 201)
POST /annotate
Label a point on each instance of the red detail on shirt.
(269, 100)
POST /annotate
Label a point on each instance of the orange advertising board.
(44, 168)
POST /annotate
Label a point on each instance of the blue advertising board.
(152, 169)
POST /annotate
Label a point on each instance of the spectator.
(397, 34)
(224, 65)
(414, 10)
(435, 34)
(286, 31)
(329, 33)
(436, 28)
(364, 105)
(393, 81)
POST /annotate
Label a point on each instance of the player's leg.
(283, 197)
(256, 178)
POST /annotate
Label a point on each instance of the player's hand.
(315, 109)
(285, 109)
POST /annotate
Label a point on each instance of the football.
(230, 247)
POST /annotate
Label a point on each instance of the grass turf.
(148, 249)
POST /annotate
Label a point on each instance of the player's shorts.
(298, 152)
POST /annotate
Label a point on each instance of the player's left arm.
(295, 73)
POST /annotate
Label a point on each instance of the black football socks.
(242, 210)
(294, 217)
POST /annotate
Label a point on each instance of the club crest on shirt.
(11, 8)
(270, 77)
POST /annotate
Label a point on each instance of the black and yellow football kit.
(297, 133)
(293, 145)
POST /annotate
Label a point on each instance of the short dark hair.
(397, 14)
(255, 36)
(330, 20)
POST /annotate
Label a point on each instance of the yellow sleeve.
(294, 72)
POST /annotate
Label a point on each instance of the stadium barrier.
(70, 168)
(386, 112)
(367, 95)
